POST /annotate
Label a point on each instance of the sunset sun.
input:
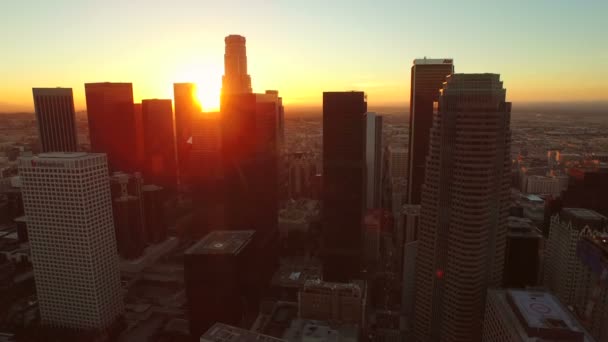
(208, 95)
(208, 80)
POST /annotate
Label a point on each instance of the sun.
(208, 96)
(208, 80)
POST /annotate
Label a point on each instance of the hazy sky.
(545, 50)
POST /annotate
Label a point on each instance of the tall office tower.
(112, 124)
(237, 127)
(591, 287)
(587, 189)
(206, 176)
(465, 205)
(235, 79)
(397, 161)
(139, 134)
(428, 76)
(522, 254)
(281, 123)
(267, 142)
(373, 159)
(187, 108)
(216, 275)
(560, 260)
(343, 183)
(301, 169)
(159, 144)
(56, 119)
(396, 177)
(283, 190)
(250, 167)
(126, 191)
(522, 316)
(153, 197)
(250, 161)
(129, 226)
(72, 243)
(408, 240)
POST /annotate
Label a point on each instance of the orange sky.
(549, 52)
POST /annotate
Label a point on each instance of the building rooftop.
(295, 272)
(220, 332)
(352, 289)
(52, 91)
(63, 155)
(151, 187)
(222, 242)
(542, 316)
(320, 331)
(425, 60)
(522, 227)
(534, 198)
(582, 218)
(584, 214)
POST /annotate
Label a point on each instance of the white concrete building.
(73, 245)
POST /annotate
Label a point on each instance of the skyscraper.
(187, 107)
(205, 175)
(561, 262)
(139, 134)
(373, 159)
(283, 175)
(56, 119)
(238, 144)
(235, 79)
(216, 275)
(73, 245)
(249, 145)
(112, 124)
(428, 76)
(159, 144)
(154, 216)
(126, 190)
(591, 287)
(343, 183)
(268, 111)
(465, 205)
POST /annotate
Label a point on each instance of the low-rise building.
(531, 316)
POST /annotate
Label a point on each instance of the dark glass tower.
(428, 76)
(159, 144)
(112, 124)
(217, 273)
(187, 108)
(250, 161)
(343, 183)
(56, 119)
(206, 176)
